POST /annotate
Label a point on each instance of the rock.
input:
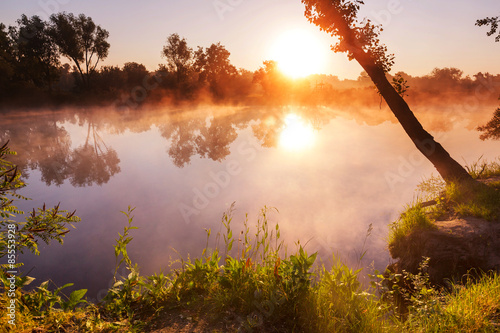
(455, 248)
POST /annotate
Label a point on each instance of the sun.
(296, 134)
(299, 53)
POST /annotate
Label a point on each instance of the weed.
(483, 169)
(342, 306)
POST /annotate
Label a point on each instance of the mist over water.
(182, 169)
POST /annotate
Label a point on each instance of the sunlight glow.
(299, 53)
(296, 134)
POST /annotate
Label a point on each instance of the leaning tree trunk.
(447, 167)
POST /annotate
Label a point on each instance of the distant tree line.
(59, 61)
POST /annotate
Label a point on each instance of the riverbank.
(250, 284)
(248, 280)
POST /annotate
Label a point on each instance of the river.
(328, 173)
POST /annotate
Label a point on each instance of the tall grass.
(471, 307)
(249, 282)
(483, 169)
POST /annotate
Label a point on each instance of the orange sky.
(422, 34)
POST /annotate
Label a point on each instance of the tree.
(135, 74)
(6, 60)
(36, 53)
(79, 39)
(272, 80)
(492, 128)
(494, 22)
(214, 66)
(179, 57)
(450, 74)
(360, 40)
(110, 79)
(93, 162)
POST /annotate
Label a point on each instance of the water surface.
(329, 173)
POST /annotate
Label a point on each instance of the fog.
(182, 168)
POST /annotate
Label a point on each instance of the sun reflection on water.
(297, 134)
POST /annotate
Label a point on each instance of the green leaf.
(76, 296)
(28, 280)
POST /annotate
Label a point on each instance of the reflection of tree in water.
(205, 137)
(272, 121)
(53, 158)
(182, 135)
(42, 143)
(93, 162)
(213, 141)
(267, 130)
(210, 136)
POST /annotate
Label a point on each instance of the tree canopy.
(179, 56)
(35, 51)
(214, 66)
(81, 40)
(493, 22)
(355, 37)
(491, 130)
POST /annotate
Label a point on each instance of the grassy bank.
(441, 201)
(250, 284)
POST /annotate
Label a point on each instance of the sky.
(423, 34)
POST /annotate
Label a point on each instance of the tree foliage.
(81, 40)
(492, 128)
(179, 56)
(6, 60)
(213, 65)
(36, 53)
(340, 19)
(272, 80)
(493, 22)
(134, 74)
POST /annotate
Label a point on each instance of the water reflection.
(163, 160)
(206, 137)
(43, 143)
(91, 163)
(296, 134)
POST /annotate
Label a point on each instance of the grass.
(450, 201)
(475, 200)
(413, 218)
(484, 169)
(471, 307)
(251, 284)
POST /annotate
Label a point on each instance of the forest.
(61, 62)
